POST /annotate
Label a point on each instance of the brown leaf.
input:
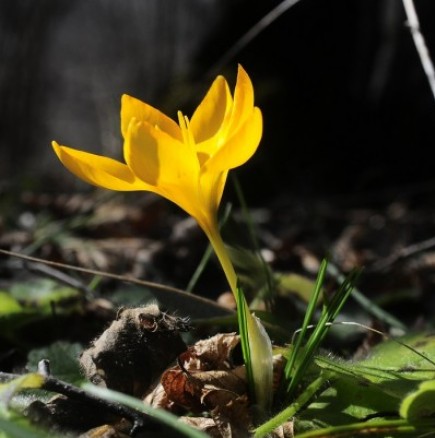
(231, 380)
(204, 424)
(105, 431)
(181, 389)
(283, 431)
(215, 352)
(279, 362)
(195, 386)
(157, 398)
(233, 418)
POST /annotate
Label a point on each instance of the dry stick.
(420, 44)
(403, 253)
(219, 310)
(138, 419)
(61, 277)
(149, 284)
(251, 34)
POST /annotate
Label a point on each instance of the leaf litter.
(200, 381)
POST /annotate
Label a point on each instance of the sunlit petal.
(239, 148)
(243, 100)
(212, 187)
(97, 170)
(157, 158)
(135, 108)
(169, 166)
(209, 116)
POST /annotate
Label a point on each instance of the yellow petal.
(212, 187)
(157, 158)
(134, 108)
(235, 116)
(243, 100)
(239, 148)
(208, 118)
(169, 166)
(98, 170)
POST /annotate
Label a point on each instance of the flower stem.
(222, 254)
(255, 342)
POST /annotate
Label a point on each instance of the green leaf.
(257, 354)
(419, 404)
(378, 384)
(46, 296)
(28, 302)
(9, 389)
(292, 283)
(63, 357)
(19, 427)
(8, 305)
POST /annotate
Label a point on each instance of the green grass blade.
(329, 313)
(200, 268)
(253, 234)
(368, 305)
(163, 416)
(307, 319)
(309, 392)
(378, 427)
(244, 338)
(322, 327)
(207, 254)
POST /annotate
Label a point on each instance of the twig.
(138, 419)
(48, 271)
(420, 44)
(368, 305)
(403, 253)
(204, 305)
(251, 34)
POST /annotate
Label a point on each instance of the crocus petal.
(135, 108)
(157, 158)
(243, 100)
(211, 189)
(169, 166)
(235, 116)
(209, 116)
(239, 148)
(97, 170)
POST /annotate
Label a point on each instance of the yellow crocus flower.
(188, 163)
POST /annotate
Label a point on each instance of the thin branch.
(403, 253)
(420, 44)
(250, 35)
(138, 419)
(202, 303)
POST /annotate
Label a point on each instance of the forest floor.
(389, 234)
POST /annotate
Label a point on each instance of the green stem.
(293, 409)
(373, 428)
(222, 254)
(256, 345)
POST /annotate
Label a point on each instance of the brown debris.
(134, 350)
(205, 380)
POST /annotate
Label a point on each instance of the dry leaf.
(204, 424)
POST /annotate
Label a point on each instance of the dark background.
(347, 107)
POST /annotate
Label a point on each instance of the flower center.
(186, 133)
